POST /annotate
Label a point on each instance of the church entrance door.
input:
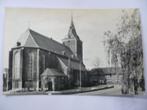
(49, 86)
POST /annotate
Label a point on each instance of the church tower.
(73, 41)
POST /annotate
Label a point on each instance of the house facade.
(41, 63)
(105, 75)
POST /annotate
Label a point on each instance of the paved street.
(111, 91)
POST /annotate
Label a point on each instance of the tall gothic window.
(42, 67)
(30, 66)
(43, 62)
(17, 68)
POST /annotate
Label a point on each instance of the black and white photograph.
(73, 52)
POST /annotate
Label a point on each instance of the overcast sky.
(90, 26)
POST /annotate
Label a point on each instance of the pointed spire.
(72, 23)
(72, 31)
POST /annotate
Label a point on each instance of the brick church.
(40, 63)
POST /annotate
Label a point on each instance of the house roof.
(33, 39)
(107, 70)
(52, 72)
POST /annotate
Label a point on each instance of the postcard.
(73, 52)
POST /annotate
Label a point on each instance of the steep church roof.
(52, 72)
(33, 39)
(76, 65)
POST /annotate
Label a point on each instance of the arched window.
(17, 68)
(43, 65)
(31, 64)
(43, 62)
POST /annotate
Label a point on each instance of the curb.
(74, 92)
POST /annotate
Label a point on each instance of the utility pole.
(80, 76)
(69, 61)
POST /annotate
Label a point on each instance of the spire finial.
(29, 24)
(71, 17)
(72, 22)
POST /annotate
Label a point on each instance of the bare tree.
(126, 45)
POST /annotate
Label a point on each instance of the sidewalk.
(70, 91)
(17, 92)
(80, 90)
